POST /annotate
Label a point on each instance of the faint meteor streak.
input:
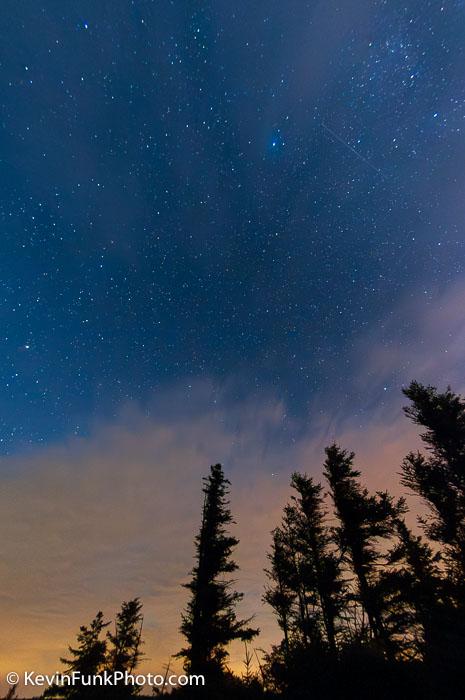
(347, 145)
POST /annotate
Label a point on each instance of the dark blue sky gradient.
(217, 189)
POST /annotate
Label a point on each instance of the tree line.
(367, 606)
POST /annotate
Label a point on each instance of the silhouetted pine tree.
(289, 594)
(125, 652)
(210, 622)
(424, 609)
(87, 658)
(279, 594)
(320, 563)
(439, 478)
(364, 520)
(306, 591)
(306, 628)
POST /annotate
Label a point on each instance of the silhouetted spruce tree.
(306, 592)
(125, 653)
(321, 565)
(210, 622)
(284, 593)
(364, 520)
(306, 627)
(87, 658)
(424, 609)
(439, 478)
(288, 593)
(279, 593)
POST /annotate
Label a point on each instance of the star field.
(217, 189)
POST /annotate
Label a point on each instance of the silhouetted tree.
(424, 608)
(302, 625)
(321, 564)
(210, 622)
(305, 590)
(87, 659)
(439, 478)
(364, 520)
(306, 624)
(306, 583)
(280, 594)
(125, 653)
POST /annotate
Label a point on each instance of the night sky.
(218, 189)
(230, 232)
